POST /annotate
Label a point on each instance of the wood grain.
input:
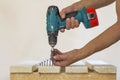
(63, 76)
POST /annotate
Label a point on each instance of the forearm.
(104, 40)
(91, 3)
(97, 3)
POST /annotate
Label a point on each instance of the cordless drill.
(87, 16)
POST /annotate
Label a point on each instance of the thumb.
(57, 51)
(74, 7)
(66, 10)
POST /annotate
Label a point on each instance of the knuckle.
(63, 11)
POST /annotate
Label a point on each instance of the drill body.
(54, 22)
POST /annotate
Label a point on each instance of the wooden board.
(100, 66)
(49, 69)
(63, 76)
(24, 67)
(46, 66)
(51, 72)
(78, 67)
(24, 76)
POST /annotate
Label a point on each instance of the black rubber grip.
(69, 15)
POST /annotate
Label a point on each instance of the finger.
(76, 23)
(58, 57)
(57, 51)
(72, 22)
(68, 23)
(60, 63)
(57, 63)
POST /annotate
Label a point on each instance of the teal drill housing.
(55, 22)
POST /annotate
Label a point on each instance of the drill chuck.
(52, 38)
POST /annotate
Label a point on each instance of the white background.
(23, 33)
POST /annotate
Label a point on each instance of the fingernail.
(62, 30)
(54, 57)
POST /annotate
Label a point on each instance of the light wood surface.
(25, 67)
(63, 76)
(77, 71)
(49, 69)
(78, 67)
(24, 76)
(100, 66)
